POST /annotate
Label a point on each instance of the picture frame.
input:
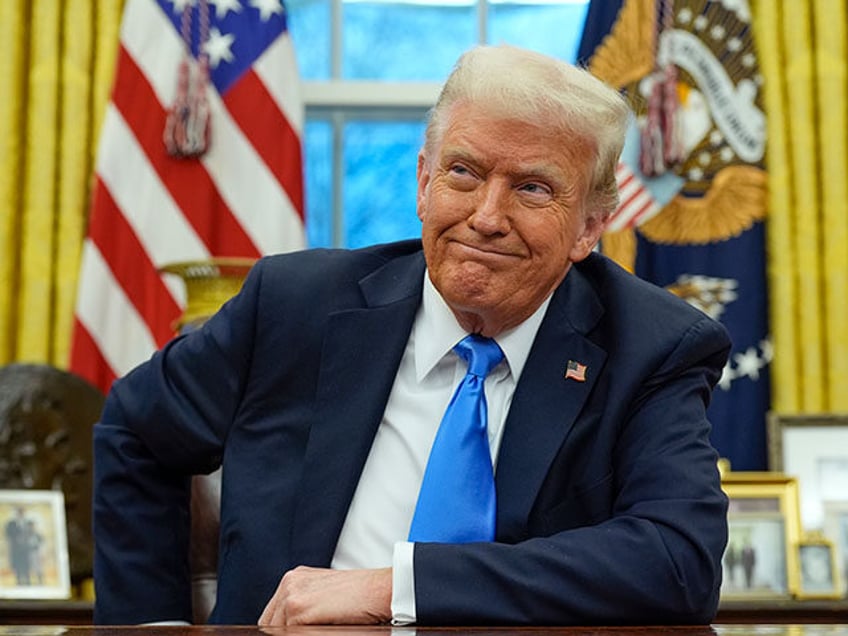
(813, 449)
(34, 561)
(761, 559)
(819, 575)
(836, 531)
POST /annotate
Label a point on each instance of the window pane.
(318, 176)
(394, 41)
(405, 41)
(309, 25)
(554, 29)
(380, 186)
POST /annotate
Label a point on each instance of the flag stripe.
(278, 72)
(158, 57)
(233, 162)
(186, 179)
(132, 267)
(648, 208)
(86, 359)
(120, 334)
(269, 132)
(635, 200)
(629, 197)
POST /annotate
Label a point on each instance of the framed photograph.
(819, 576)
(836, 531)
(761, 560)
(34, 545)
(814, 449)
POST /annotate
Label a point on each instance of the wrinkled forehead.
(562, 138)
(549, 116)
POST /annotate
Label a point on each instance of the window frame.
(339, 101)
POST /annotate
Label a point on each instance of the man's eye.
(461, 177)
(535, 188)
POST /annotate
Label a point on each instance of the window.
(371, 69)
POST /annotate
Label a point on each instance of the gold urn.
(208, 284)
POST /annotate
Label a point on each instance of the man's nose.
(491, 210)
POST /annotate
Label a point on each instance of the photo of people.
(817, 576)
(754, 563)
(836, 530)
(33, 546)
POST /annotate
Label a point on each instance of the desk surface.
(201, 630)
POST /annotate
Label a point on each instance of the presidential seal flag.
(692, 182)
(199, 158)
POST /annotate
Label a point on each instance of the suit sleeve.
(655, 559)
(163, 422)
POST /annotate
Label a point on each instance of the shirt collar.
(436, 331)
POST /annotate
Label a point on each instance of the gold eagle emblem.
(721, 187)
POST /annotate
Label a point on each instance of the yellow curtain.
(804, 59)
(56, 66)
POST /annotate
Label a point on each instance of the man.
(17, 542)
(321, 386)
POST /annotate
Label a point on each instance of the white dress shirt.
(377, 523)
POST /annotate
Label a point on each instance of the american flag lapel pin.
(575, 371)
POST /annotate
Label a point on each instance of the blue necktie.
(456, 503)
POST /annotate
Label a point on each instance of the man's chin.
(468, 284)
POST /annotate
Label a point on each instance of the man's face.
(502, 207)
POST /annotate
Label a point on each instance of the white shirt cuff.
(403, 584)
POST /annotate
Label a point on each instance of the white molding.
(341, 94)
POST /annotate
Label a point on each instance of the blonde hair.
(517, 83)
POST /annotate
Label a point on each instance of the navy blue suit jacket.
(609, 502)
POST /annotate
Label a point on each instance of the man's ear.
(593, 228)
(423, 176)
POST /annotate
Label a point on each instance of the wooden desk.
(23, 612)
(730, 612)
(714, 630)
(776, 611)
(735, 612)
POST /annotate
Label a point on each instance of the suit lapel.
(361, 353)
(546, 403)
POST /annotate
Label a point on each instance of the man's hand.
(321, 596)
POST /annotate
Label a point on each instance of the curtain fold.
(831, 56)
(74, 161)
(13, 64)
(56, 66)
(36, 297)
(802, 49)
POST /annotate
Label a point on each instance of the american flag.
(575, 371)
(243, 197)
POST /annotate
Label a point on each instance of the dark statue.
(46, 416)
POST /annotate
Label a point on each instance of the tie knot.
(481, 354)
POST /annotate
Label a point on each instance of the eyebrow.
(455, 152)
(543, 171)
